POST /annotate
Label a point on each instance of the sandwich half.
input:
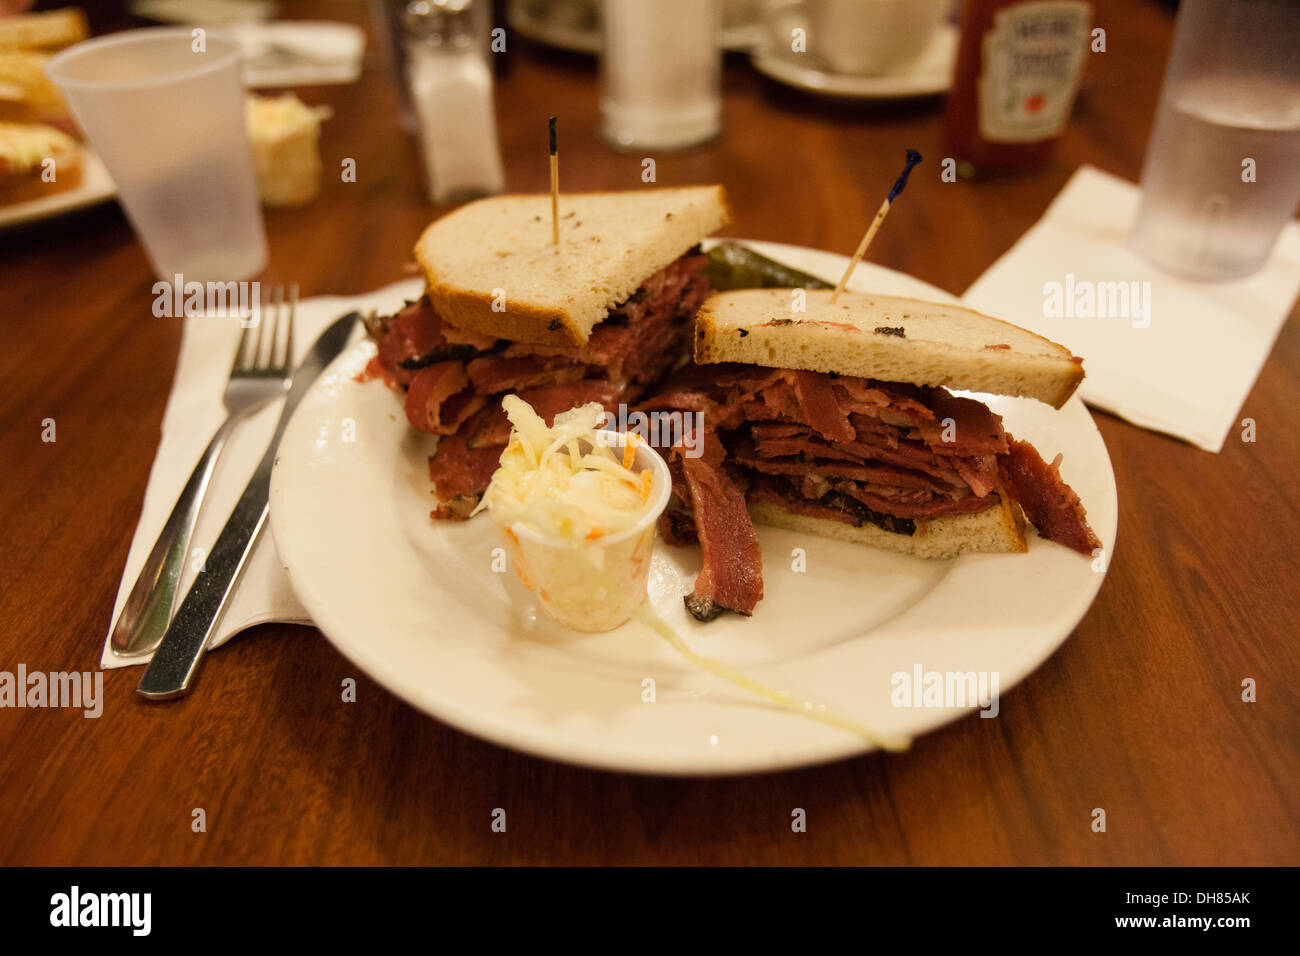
(602, 316)
(836, 419)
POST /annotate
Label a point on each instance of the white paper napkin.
(194, 412)
(1186, 366)
(299, 53)
(278, 53)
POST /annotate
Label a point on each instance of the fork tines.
(259, 351)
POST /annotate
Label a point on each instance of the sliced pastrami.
(1049, 502)
(731, 578)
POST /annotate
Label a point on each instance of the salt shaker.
(451, 92)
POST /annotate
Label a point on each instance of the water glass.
(1222, 170)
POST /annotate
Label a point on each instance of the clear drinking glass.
(1222, 170)
(164, 108)
(661, 71)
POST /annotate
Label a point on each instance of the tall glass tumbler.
(164, 108)
(661, 69)
(1222, 170)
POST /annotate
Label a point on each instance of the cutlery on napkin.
(176, 661)
(194, 410)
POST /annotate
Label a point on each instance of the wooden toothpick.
(555, 186)
(913, 157)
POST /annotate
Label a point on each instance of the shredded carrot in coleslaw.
(567, 480)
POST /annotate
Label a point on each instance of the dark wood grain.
(1139, 712)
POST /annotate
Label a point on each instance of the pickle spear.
(733, 266)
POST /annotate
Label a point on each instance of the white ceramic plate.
(929, 75)
(416, 605)
(95, 187)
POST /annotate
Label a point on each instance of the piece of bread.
(48, 30)
(886, 338)
(27, 95)
(995, 530)
(24, 171)
(498, 252)
(285, 136)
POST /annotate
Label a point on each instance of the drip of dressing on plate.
(784, 700)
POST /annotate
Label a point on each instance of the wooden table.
(1139, 713)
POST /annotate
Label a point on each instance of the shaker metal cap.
(439, 22)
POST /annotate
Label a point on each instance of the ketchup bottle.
(1018, 69)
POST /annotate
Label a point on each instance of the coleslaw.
(576, 506)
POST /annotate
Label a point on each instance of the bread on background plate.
(36, 161)
(45, 30)
(27, 95)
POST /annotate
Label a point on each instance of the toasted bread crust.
(472, 311)
(890, 338)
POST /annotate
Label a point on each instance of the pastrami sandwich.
(836, 419)
(599, 318)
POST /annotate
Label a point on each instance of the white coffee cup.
(862, 37)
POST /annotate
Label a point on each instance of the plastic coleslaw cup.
(593, 585)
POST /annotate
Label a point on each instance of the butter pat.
(285, 135)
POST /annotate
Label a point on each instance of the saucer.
(579, 34)
(929, 75)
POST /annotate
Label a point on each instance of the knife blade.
(175, 663)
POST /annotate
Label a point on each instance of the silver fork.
(255, 379)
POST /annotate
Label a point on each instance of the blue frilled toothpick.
(913, 157)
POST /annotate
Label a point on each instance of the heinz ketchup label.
(1031, 63)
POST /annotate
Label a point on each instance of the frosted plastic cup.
(1222, 170)
(563, 574)
(168, 121)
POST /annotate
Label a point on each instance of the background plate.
(95, 187)
(931, 74)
